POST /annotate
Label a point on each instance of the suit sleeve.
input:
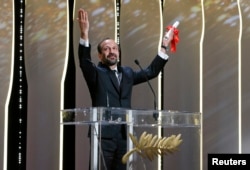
(87, 66)
(151, 71)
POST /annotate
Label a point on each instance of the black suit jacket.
(103, 87)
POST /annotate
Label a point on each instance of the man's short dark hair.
(99, 48)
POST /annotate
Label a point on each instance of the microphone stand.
(155, 115)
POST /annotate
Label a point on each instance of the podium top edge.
(126, 109)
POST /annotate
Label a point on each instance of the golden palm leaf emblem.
(150, 146)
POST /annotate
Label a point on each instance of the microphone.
(155, 115)
(107, 115)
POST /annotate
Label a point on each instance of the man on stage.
(110, 85)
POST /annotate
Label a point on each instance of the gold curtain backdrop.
(6, 26)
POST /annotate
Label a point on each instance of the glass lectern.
(156, 139)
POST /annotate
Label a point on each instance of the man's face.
(109, 52)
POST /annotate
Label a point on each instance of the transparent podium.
(156, 140)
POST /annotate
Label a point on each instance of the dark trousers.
(113, 151)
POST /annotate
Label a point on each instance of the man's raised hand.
(83, 23)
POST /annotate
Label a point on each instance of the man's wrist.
(84, 35)
(164, 47)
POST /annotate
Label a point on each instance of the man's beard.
(110, 62)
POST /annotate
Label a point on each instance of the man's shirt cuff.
(84, 42)
(163, 55)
